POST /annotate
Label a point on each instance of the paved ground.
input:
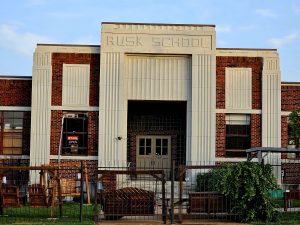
(186, 222)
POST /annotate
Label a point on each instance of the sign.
(72, 138)
(73, 143)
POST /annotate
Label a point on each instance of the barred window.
(11, 132)
(238, 135)
(75, 134)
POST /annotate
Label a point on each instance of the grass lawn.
(280, 203)
(26, 215)
(285, 218)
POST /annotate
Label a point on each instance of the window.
(11, 132)
(75, 134)
(237, 134)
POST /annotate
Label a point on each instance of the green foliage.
(294, 124)
(247, 185)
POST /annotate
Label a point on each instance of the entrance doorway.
(154, 152)
(156, 134)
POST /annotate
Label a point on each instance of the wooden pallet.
(128, 202)
(207, 202)
(10, 196)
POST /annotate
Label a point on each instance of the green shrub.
(247, 185)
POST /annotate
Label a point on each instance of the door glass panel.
(158, 147)
(142, 147)
(165, 151)
(148, 150)
(148, 142)
(165, 146)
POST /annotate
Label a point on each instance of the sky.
(239, 24)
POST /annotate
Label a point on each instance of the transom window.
(75, 134)
(238, 136)
(11, 130)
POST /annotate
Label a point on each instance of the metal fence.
(33, 193)
(68, 192)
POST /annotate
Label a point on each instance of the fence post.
(81, 190)
(172, 191)
(163, 189)
(96, 198)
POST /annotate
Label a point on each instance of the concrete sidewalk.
(185, 222)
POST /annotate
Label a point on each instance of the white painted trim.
(75, 108)
(68, 49)
(74, 157)
(14, 157)
(14, 78)
(223, 159)
(15, 108)
(292, 161)
(239, 111)
(246, 52)
(290, 84)
(285, 113)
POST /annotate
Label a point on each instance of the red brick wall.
(291, 173)
(256, 63)
(66, 172)
(256, 133)
(220, 134)
(75, 58)
(15, 92)
(56, 116)
(284, 135)
(284, 131)
(290, 97)
(26, 133)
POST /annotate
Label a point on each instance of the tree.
(248, 186)
(294, 126)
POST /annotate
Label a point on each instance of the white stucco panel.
(158, 77)
(76, 84)
(238, 88)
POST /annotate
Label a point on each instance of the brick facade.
(15, 92)
(56, 117)
(58, 59)
(291, 173)
(26, 133)
(290, 97)
(256, 133)
(256, 130)
(70, 172)
(220, 134)
(255, 63)
(169, 120)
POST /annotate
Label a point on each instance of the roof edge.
(71, 45)
(249, 49)
(290, 83)
(160, 24)
(15, 77)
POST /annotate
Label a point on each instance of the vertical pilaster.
(112, 111)
(271, 111)
(40, 109)
(203, 108)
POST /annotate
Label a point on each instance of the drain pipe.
(60, 139)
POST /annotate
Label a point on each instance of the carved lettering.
(139, 41)
(156, 41)
(124, 40)
(180, 42)
(130, 41)
(176, 42)
(110, 40)
(185, 42)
